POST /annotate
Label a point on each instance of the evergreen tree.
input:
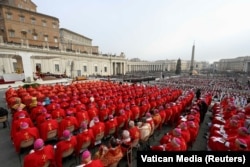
(178, 67)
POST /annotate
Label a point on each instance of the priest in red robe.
(134, 131)
(58, 113)
(173, 145)
(16, 124)
(85, 136)
(48, 125)
(82, 117)
(110, 126)
(25, 133)
(88, 162)
(103, 113)
(163, 115)
(184, 131)
(135, 112)
(40, 155)
(121, 120)
(36, 111)
(67, 123)
(98, 128)
(68, 142)
(18, 112)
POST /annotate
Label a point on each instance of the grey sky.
(158, 29)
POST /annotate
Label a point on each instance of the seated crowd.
(82, 116)
(184, 134)
(229, 127)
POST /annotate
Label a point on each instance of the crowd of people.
(184, 134)
(90, 113)
(82, 116)
(219, 87)
(229, 127)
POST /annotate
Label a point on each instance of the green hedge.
(34, 85)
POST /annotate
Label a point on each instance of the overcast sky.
(158, 29)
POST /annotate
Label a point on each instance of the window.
(79, 73)
(33, 21)
(96, 68)
(35, 36)
(38, 67)
(22, 19)
(85, 69)
(105, 69)
(55, 39)
(23, 34)
(54, 25)
(9, 16)
(46, 38)
(44, 23)
(57, 68)
(12, 33)
(15, 66)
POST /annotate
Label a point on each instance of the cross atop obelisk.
(192, 60)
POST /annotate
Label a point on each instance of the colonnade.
(142, 67)
(57, 62)
(118, 68)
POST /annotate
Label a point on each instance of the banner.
(13, 77)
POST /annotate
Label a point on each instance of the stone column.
(27, 66)
(112, 68)
(115, 68)
(122, 66)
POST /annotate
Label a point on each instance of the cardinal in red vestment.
(82, 116)
(48, 125)
(69, 142)
(121, 120)
(110, 126)
(174, 145)
(58, 113)
(16, 124)
(98, 128)
(69, 122)
(18, 112)
(88, 162)
(134, 131)
(103, 113)
(84, 137)
(40, 155)
(25, 133)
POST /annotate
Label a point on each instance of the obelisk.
(192, 60)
